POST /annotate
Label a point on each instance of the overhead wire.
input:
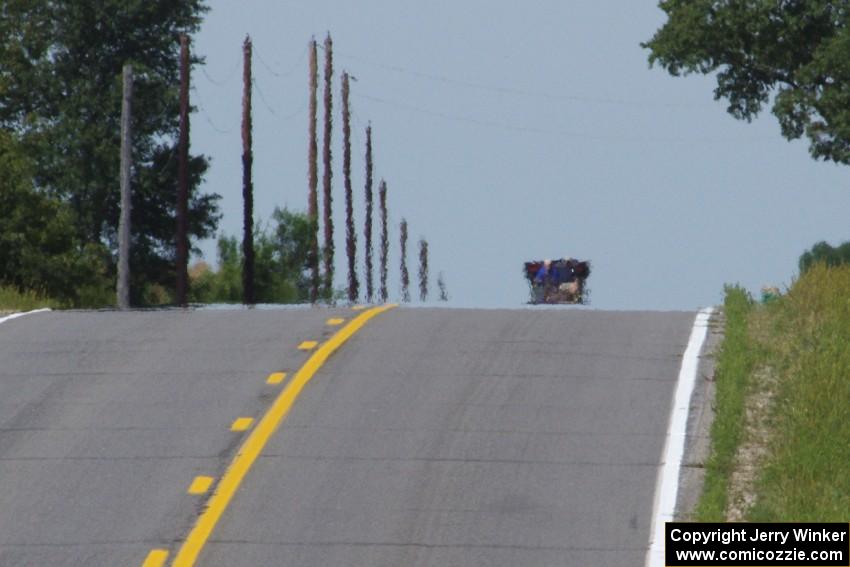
(228, 78)
(533, 129)
(500, 89)
(262, 96)
(293, 114)
(289, 70)
(202, 107)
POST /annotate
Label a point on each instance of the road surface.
(431, 437)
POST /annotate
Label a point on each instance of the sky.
(511, 131)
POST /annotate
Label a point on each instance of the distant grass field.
(803, 338)
(12, 300)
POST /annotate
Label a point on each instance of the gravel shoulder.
(698, 441)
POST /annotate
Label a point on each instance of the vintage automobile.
(558, 281)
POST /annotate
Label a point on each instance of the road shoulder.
(700, 418)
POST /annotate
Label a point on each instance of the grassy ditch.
(13, 300)
(801, 342)
(736, 360)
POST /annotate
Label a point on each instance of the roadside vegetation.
(13, 300)
(795, 348)
(281, 272)
(59, 159)
(736, 360)
(281, 264)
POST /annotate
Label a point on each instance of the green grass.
(804, 339)
(12, 299)
(807, 474)
(736, 361)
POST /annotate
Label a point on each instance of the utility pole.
(123, 284)
(328, 173)
(350, 235)
(183, 178)
(385, 239)
(313, 175)
(405, 275)
(423, 270)
(367, 232)
(247, 185)
(441, 283)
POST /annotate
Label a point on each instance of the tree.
(60, 92)
(823, 253)
(283, 271)
(793, 49)
(39, 249)
(283, 263)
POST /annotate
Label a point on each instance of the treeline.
(823, 253)
(60, 112)
(60, 107)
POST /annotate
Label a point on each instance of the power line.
(293, 114)
(226, 80)
(212, 124)
(289, 71)
(201, 106)
(514, 91)
(263, 97)
(537, 130)
(232, 73)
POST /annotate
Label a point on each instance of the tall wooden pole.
(313, 177)
(423, 270)
(123, 284)
(367, 231)
(183, 178)
(350, 234)
(328, 174)
(441, 283)
(405, 275)
(247, 184)
(385, 239)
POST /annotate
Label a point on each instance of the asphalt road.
(433, 437)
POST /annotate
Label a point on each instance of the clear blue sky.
(511, 131)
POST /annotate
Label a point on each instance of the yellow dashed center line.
(308, 345)
(259, 436)
(242, 424)
(358, 307)
(335, 321)
(156, 558)
(201, 484)
(276, 378)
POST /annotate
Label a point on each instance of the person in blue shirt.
(540, 276)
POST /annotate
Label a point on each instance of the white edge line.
(667, 484)
(16, 315)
